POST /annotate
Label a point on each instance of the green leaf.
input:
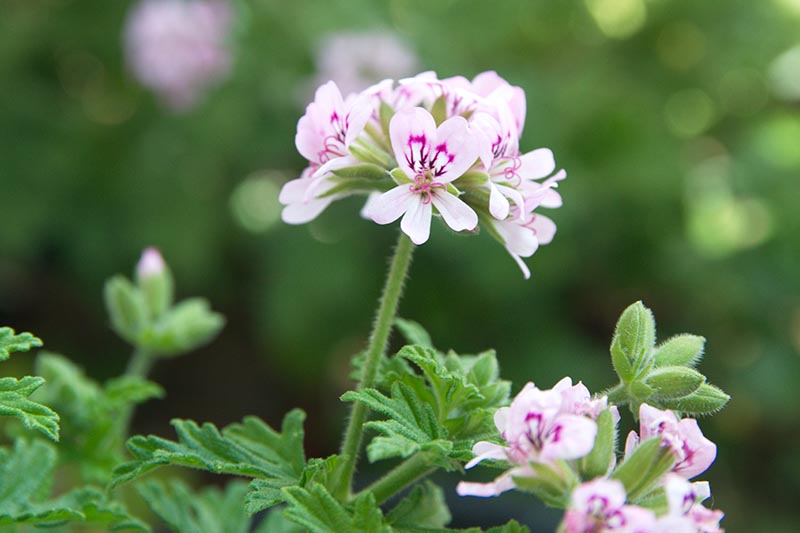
(674, 381)
(14, 402)
(250, 449)
(598, 462)
(632, 343)
(424, 506)
(706, 400)
(210, 510)
(315, 509)
(126, 308)
(11, 342)
(129, 390)
(413, 332)
(275, 522)
(411, 424)
(681, 350)
(25, 479)
(188, 325)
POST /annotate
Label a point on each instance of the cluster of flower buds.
(560, 445)
(178, 48)
(424, 147)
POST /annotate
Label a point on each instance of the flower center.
(424, 185)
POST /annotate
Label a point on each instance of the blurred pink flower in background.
(356, 60)
(178, 48)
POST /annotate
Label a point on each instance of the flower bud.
(155, 282)
(632, 344)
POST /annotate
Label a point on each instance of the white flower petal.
(498, 204)
(537, 164)
(412, 132)
(390, 205)
(459, 146)
(458, 215)
(300, 213)
(416, 222)
(544, 228)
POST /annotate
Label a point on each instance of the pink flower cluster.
(540, 426)
(558, 425)
(178, 48)
(447, 147)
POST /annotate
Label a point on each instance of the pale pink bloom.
(598, 506)
(686, 512)
(330, 125)
(179, 48)
(150, 264)
(693, 452)
(305, 197)
(431, 158)
(356, 60)
(539, 426)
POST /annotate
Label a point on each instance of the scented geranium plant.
(419, 150)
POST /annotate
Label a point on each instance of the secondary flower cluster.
(425, 147)
(178, 48)
(559, 426)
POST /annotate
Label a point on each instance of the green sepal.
(552, 483)
(368, 153)
(706, 400)
(601, 459)
(632, 343)
(681, 350)
(644, 467)
(472, 178)
(188, 325)
(385, 113)
(126, 308)
(33, 415)
(11, 342)
(157, 291)
(424, 507)
(640, 391)
(356, 186)
(366, 171)
(439, 110)
(400, 177)
(674, 381)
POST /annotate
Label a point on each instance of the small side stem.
(409, 471)
(387, 309)
(140, 364)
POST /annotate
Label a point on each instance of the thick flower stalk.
(540, 426)
(179, 48)
(425, 148)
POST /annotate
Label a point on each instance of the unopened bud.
(155, 282)
(150, 264)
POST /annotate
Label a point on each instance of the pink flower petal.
(412, 133)
(486, 450)
(459, 144)
(498, 204)
(537, 164)
(391, 205)
(573, 437)
(544, 228)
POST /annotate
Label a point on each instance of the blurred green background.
(683, 190)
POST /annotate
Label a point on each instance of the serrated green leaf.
(674, 381)
(275, 522)
(188, 325)
(681, 350)
(425, 507)
(632, 343)
(36, 416)
(413, 332)
(25, 479)
(10, 342)
(314, 508)
(250, 449)
(706, 400)
(210, 510)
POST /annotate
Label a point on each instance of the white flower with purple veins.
(179, 48)
(693, 452)
(540, 426)
(598, 506)
(430, 158)
(686, 512)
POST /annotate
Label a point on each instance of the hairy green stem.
(139, 365)
(412, 469)
(392, 290)
(617, 394)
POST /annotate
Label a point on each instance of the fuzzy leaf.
(210, 510)
(674, 381)
(126, 308)
(275, 522)
(186, 326)
(601, 458)
(424, 506)
(413, 332)
(706, 400)
(14, 402)
(411, 424)
(681, 350)
(25, 480)
(314, 508)
(644, 467)
(250, 449)
(11, 342)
